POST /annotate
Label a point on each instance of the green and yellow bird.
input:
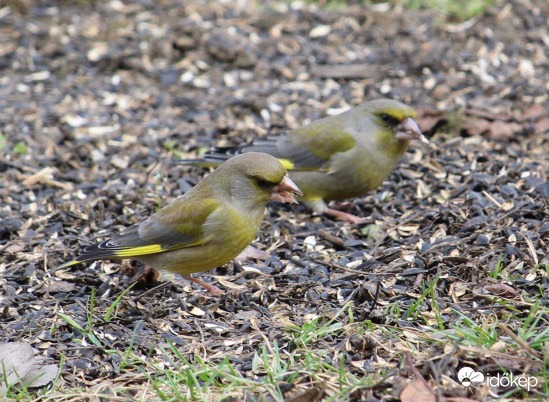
(206, 227)
(337, 157)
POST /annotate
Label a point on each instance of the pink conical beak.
(409, 130)
(286, 191)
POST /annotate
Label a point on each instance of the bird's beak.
(409, 130)
(286, 191)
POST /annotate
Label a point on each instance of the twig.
(374, 303)
(354, 271)
(19, 166)
(337, 266)
(150, 291)
(493, 353)
(417, 374)
(336, 241)
(508, 331)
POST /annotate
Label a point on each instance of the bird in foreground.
(337, 157)
(206, 227)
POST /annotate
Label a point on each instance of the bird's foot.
(252, 252)
(342, 205)
(208, 286)
(344, 216)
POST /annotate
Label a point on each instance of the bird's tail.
(93, 252)
(213, 158)
(76, 261)
(66, 265)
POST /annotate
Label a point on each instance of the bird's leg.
(179, 279)
(344, 216)
(252, 252)
(208, 286)
(320, 207)
(343, 205)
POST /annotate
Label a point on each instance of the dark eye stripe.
(266, 184)
(390, 120)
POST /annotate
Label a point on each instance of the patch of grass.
(483, 334)
(88, 331)
(24, 391)
(20, 148)
(299, 360)
(495, 273)
(531, 327)
(159, 203)
(483, 330)
(292, 364)
(428, 292)
(15, 392)
(311, 332)
(112, 308)
(333, 4)
(458, 10)
(392, 311)
(180, 378)
(3, 141)
(170, 146)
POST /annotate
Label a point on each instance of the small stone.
(482, 239)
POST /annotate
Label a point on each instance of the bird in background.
(337, 157)
(206, 227)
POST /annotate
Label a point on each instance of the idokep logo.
(468, 376)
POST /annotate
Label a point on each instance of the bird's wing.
(312, 147)
(306, 148)
(176, 226)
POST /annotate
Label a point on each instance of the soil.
(98, 98)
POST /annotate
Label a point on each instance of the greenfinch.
(206, 227)
(337, 157)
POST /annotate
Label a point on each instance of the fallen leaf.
(476, 126)
(310, 395)
(57, 287)
(428, 119)
(501, 289)
(417, 391)
(252, 252)
(20, 364)
(533, 112)
(40, 375)
(197, 312)
(542, 125)
(500, 130)
(230, 285)
(14, 247)
(16, 358)
(246, 315)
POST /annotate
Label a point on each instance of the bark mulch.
(96, 98)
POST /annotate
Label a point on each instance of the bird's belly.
(187, 260)
(334, 186)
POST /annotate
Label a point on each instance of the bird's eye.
(390, 120)
(265, 184)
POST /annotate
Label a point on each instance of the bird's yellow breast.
(228, 233)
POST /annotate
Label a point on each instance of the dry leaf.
(417, 391)
(310, 395)
(56, 286)
(21, 365)
(501, 289)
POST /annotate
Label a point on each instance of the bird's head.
(255, 177)
(396, 122)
